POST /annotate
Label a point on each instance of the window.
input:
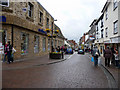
(48, 44)
(101, 23)
(4, 3)
(55, 43)
(116, 27)
(41, 17)
(30, 10)
(102, 33)
(106, 32)
(47, 23)
(106, 15)
(44, 44)
(115, 4)
(3, 36)
(36, 44)
(24, 43)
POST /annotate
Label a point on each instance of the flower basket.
(55, 55)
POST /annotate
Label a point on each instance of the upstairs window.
(106, 32)
(4, 3)
(101, 23)
(41, 17)
(102, 33)
(115, 4)
(106, 15)
(116, 27)
(30, 10)
(47, 23)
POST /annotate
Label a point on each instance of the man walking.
(107, 55)
(9, 51)
(95, 54)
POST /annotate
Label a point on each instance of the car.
(69, 51)
(80, 51)
(76, 50)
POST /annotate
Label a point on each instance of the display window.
(36, 44)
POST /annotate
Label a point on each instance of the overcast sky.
(74, 16)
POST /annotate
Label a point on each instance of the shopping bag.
(99, 61)
(92, 59)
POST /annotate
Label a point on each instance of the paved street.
(75, 72)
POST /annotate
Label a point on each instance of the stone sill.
(30, 19)
(41, 24)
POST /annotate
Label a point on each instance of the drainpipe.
(12, 34)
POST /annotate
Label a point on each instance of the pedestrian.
(9, 52)
(53, 50)
(5, 52)
(107, 55)
(95, 54)
(113, 56)
(116, 58)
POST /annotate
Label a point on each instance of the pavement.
(112, 69)
(30, 62)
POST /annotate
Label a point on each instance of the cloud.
(74, 16)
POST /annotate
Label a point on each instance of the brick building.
(24, 24)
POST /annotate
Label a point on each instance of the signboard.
(1, 49)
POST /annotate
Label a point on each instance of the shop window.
(48, 44)
(116, 27)
(30, 10)
(3, 34)
(4, 3)
(36, 44)
(24, 43)
(44, 44)
(55, 43)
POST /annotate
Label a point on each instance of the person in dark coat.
(107, 55)
(113, 57)
(9, 52)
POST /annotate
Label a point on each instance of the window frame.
(116, 22)
(41, 17)
(102, 33)
(106, 32)
(5, 5)
(115, 4)
(30, 9)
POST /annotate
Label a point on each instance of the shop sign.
(2, 19)
(42, 31)
(1, 49)
(115, 40)
(24, 9)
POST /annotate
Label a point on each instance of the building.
(111, 18)
(25, 25)
(100, 35)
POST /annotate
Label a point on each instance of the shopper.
(116, 58)
(5, 52)
(107, 55)
(95, 54)
(9, 52)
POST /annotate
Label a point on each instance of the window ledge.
(41, 24)
(30, 19)
(7, 9)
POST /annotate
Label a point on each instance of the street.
(76, 72)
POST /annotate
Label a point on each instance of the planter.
(55, 55)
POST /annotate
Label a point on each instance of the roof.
(93, 22)
(106, 5)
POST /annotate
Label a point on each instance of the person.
(53, 50)
(58, 49)
(5, 52)
(113, 57)
(107, 55)
(9, 51)
(116, 58)
(95, 54)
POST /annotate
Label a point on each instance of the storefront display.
(24, 43)
(36, 44)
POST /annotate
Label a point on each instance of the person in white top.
(116, 58)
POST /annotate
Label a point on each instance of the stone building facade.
(24, 25)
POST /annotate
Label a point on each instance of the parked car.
(69, 51)
(80, 51)
(76, 50)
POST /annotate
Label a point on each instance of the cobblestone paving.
(76, 72)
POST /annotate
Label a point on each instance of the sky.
(74, 16)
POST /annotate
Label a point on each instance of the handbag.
(92, 59)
